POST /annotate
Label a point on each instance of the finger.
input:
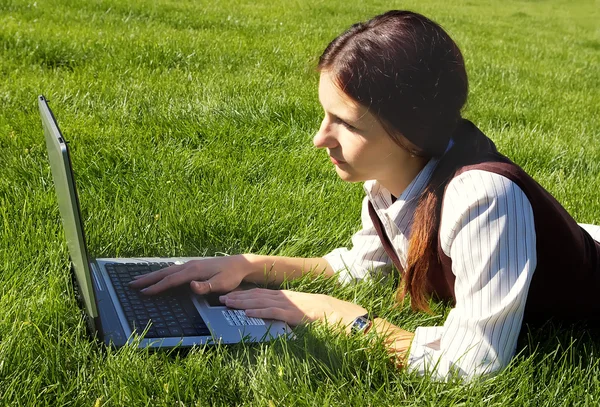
(249, 302)
(145, 280)
(273, 313)
(202, 287)
(218, 283)
(254, 293)
(172, 280)
(255, 303)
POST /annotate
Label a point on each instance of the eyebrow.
(345, 120)
(351, 123)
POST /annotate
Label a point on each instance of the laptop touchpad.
(213, 300)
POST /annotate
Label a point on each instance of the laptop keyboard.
(166, 315)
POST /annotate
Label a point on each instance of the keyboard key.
(203, 331)
(169, 315)
(163, 333)
(176, 331)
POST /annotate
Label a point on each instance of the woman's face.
(357, 143)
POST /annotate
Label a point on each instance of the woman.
(459, 221)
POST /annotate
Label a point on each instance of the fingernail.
(144, 290)
(223, 298)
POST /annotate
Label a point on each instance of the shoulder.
(473, 186)
(476, 199)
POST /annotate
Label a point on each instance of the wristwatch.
(362, 324)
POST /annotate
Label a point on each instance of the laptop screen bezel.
(68, 201)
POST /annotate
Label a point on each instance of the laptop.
(119, 315)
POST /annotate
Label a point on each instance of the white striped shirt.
(487, 230)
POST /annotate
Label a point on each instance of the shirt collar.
(401, 210)
(377, 193)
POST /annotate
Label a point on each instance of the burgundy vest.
(566, 280)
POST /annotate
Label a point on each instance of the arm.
(367, 253)
(223, 274)
(296, 308)
(487, 230)
(274, 270)
(226, 273)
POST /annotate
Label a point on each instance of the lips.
(336, 161)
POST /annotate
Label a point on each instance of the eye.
(343, 123)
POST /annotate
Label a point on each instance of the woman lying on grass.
(460, 221)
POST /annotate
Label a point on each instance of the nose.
(325, 138)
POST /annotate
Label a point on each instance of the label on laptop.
(237, 317)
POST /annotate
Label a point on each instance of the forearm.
(273, 270)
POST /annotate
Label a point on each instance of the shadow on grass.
(575, 344)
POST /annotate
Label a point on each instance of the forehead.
(334, 100)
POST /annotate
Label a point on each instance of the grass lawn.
(191, 128)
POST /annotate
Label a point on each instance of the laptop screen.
(64, 183)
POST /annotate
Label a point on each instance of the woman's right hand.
(205, 276)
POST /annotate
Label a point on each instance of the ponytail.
(468, 141)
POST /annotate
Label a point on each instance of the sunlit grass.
(190, 126)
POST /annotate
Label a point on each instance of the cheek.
(355, 147)
(387, 149)
(370, 154)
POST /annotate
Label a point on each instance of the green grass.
(190, 125)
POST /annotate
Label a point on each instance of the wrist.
(363, 323)
(256, 268)
(246, 264)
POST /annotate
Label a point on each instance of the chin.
(348, 176)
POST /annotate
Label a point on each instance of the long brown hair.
(411, 75)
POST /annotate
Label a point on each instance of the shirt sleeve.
(487, 229)
(593, 230)
(367, 253)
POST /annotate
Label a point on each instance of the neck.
(402, 179)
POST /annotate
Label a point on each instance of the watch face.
(360, 324)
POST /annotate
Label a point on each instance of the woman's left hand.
(293, 307)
